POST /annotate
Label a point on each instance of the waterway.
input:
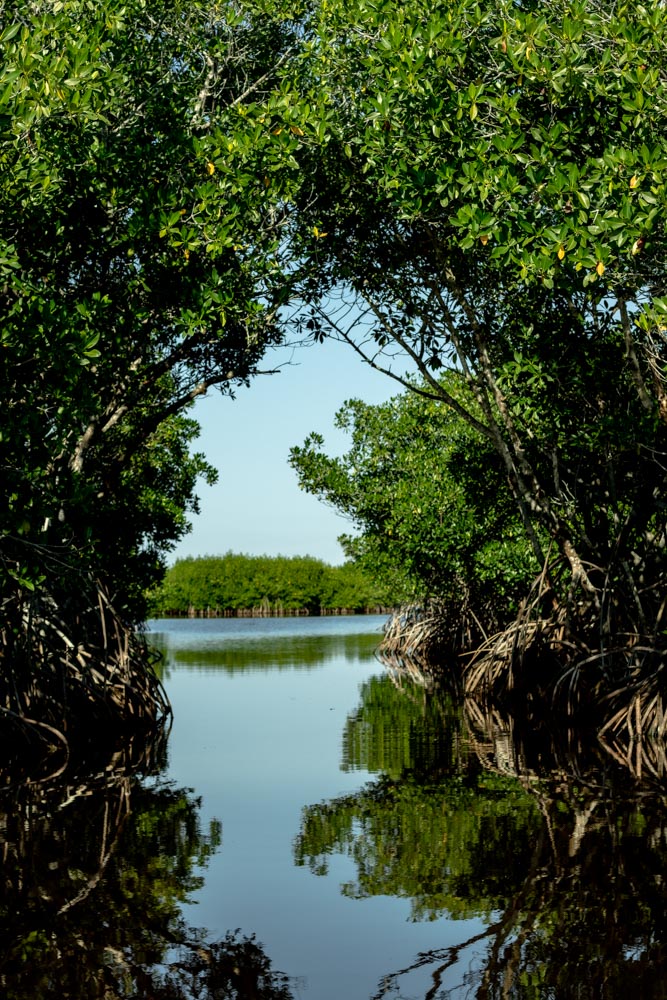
(317, 826)
(266, 729)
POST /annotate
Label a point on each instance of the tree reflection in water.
(96, 865)
(561, 852)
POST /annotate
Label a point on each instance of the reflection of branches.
(236, 968)
(559, 927)
(95, 867)
(97, 801)
(110, 832)
(500, 931)
(446, 956)
(507, 924)
(563, 919)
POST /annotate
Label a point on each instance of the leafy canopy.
(484, 194)
(234, 582)
(139, 247)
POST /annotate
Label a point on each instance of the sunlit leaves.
(139, 254)
(428, 497)
(233, 582)
(488, 118)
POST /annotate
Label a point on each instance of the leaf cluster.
(138, 254)
(487, 199)
(429, 498)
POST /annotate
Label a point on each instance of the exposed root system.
(424, 632)
(63, 674)
(546, 662)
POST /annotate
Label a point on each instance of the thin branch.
(631, 356)
(439, 393)
(257, 83)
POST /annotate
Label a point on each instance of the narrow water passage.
(319, 826)
(261, 710)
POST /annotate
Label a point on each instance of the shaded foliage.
(487, 198)
(123, 297)
(430, 498)
(138, 252)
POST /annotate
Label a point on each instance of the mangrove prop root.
(63, 672)
(546, 657)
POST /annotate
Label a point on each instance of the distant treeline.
(235, 584)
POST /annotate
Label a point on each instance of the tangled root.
(547, 664)
(62, 674)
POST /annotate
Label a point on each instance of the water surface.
(261, 708)
(317, 825)
(381, 841)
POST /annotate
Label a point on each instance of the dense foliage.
(429, 496)
(138, 245)
(128, 287)
(485, 192)
(265, 584)
(473, 189)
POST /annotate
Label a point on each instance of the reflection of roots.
(538, 659)
(90, 671)
(538, 671)
(508, 745)
(37, 809)
(414, 669)
(490, 735)
(546, 657)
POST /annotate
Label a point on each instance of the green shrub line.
(238, 585)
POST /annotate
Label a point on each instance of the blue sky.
(256, 507)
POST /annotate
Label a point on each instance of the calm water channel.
(317, 827)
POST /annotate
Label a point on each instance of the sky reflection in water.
(425, 867)
(261, 746)
(378, 841)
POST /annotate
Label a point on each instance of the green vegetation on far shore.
(234, 583)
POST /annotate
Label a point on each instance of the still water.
(317, 826)
(265, 731)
